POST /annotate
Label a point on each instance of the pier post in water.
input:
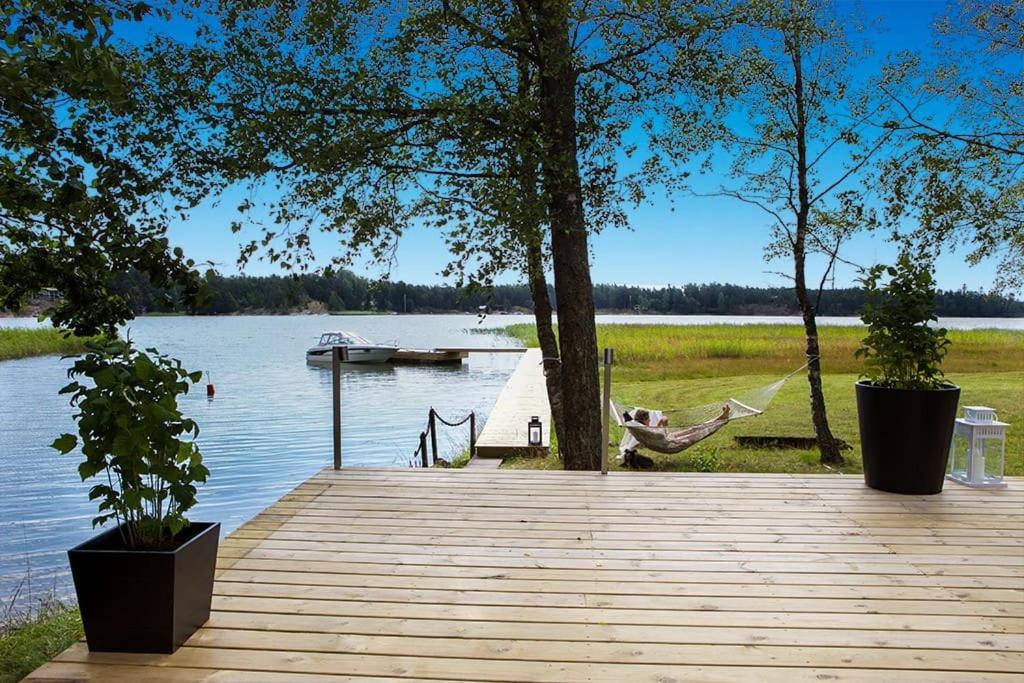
(432, 428)
(339, 355)
(472, 435)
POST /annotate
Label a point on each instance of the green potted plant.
(905, 407)
(146, 584)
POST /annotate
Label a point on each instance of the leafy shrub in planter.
(905, 408)
(903, 349)
(135, 439)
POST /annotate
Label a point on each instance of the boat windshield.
(342, 339)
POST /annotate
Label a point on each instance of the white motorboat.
(360, 349)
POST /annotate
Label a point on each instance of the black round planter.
(905, 436)
(144, 600)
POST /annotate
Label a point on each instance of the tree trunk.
(580, 439)
(545, 332)
(827, 446)
(530, 230)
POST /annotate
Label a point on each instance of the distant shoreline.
(302, 312)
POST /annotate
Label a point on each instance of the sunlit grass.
(789, 415)
(672, 367)
(44, 341)
(680, 351)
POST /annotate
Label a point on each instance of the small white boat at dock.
(360, 349)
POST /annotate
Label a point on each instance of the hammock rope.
(696, 423)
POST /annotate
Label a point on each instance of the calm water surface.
(269, 427)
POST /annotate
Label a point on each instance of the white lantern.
(977, 455)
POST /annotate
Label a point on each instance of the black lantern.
(533, 431)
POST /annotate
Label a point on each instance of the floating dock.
(445, 355)
(524, 396)
(429, 357)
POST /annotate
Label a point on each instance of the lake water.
(269, 427)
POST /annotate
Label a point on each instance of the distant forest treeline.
(348, 292)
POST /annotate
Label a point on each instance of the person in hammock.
(653, 418)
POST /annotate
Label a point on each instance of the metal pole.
(609, 358)
(432, 428)
(472, 435)
(338, 356)
(423, 449)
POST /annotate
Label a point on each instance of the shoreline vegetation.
(42, 341)
(670, 367)
(348, 293)
(30, 639)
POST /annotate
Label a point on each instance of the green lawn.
(640, 380)
(43, 341)
(27, 643)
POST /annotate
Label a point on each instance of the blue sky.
(690, 240)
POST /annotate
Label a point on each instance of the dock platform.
(524, 396)
(518, 575)
(428, 357)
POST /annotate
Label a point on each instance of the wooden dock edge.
(523, 396)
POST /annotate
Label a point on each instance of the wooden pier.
(524, 396)
(462, 575)
(445, 355)
(428, 357)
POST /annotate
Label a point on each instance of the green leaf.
(65, 443)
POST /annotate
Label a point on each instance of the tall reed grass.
(678, 351)
(47, 341)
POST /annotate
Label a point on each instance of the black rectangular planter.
(144, 600)
(905, 436)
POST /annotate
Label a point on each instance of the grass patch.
(30, 640)
(458, 462)
(673, 367)
(656, 352)
(43, 341)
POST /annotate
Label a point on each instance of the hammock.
(698, 422)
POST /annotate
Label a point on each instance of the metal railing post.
(423, 449)
(472, 435)
(339, 355)
(432, 428)
(609, 358)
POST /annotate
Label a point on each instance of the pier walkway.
(462, 575)
(524, 396)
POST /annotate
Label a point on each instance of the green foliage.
(75, 203)
(954, 174)
(903, 349)
(345, 291)
(23, 343)
(706, 461)
(135, 439)
(27, 641)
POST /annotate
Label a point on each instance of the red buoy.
(210, 391)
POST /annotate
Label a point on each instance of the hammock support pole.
(609, 358)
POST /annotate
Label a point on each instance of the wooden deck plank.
(565, 576)
(461, 669)
(525, 395)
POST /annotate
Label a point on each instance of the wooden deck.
(398, 575)
(524, 396)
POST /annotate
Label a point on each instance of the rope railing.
(421, 457)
